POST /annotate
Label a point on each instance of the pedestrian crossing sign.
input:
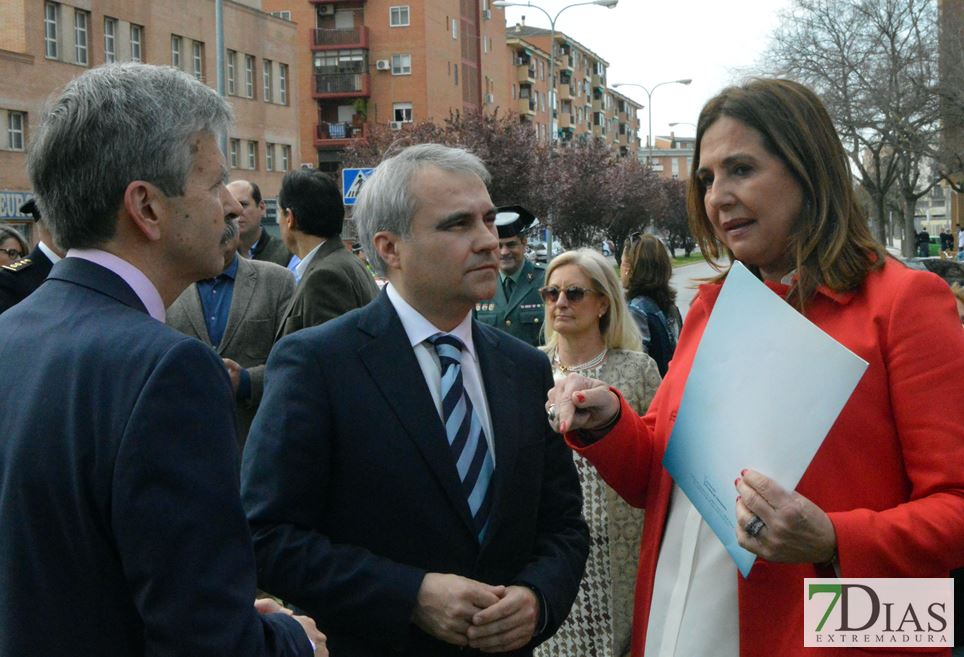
(351, 183)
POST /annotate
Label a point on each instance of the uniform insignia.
(530, 276)
(18, 265)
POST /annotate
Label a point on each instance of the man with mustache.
(400, 479)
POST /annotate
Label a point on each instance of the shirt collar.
(303, 265)
(47, 251)
(232, 269)
(418, 329)
(134, 277)
(515, 277)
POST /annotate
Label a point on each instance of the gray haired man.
(123, 532)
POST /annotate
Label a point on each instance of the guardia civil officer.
(23, 276)
(517, 306)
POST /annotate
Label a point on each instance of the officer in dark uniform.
(21, 277)
(517, 307)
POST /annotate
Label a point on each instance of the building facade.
(671, 156)
(45, 44)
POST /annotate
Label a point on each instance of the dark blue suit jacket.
(352, 493)
(121, 529)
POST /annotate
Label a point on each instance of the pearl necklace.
(592, 363)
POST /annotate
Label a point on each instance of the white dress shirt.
(300, 268)
(694, 611)
(418, 329)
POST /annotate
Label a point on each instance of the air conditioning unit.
(489, 99)
(383, 65)
(326, 10)
(396, 125)
(487, 14)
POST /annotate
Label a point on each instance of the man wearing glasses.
(516, 307)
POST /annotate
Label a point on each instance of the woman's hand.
(796, 530)
(580, 403)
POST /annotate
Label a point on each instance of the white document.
(765, 388)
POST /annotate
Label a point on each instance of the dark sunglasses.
(13, 253)
(573, 293)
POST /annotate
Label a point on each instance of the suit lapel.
(195, 314)
(329, 247)
(390, 360)
(501, 392)
(521, 288)
(245, 281)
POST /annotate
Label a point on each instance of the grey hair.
(386, 202)
(231, 230)
(110, 126)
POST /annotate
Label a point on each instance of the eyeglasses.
(574, 294)
(13, 253)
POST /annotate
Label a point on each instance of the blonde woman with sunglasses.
(589, 330)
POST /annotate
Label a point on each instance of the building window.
(284, 15)
(285, 157)
(402, 112)
(266, 80)
(268, 157)
(455, 68)
(175, 51)
(15, 121)
(249, 76)
(234, 150)
(401, 64)
(110, 40)
(283, 84)
(486, 44)
(398, 16)
(232, 65)
(137, 39)
(675, 167)
(252, 155)
(455, 28)
(81, 21)
(197, 53)
(51, 47)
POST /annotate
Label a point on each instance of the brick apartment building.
(670, 156)
(365, 62)
(45, 44)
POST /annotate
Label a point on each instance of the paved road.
(686, 279)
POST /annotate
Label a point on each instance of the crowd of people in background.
(365, 435)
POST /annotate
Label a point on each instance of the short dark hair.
(255, 193)
(316, 201)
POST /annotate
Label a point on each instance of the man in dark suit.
(118, 465)
(516, 307)
(331, 281)
(401, 481)
(256, 242)
(237, 313)
(20, 278)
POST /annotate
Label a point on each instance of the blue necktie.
(464, 431)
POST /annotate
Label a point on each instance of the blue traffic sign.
(352, 181)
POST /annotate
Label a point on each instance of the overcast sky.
(650, 41)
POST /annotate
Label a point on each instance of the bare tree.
(875, 64)
(674, 220)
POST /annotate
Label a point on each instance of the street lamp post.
(552, 71)
(649, 102)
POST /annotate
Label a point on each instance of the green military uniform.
(522, 313)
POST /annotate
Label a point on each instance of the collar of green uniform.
(515, 277)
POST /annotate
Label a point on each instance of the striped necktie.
(464, 431)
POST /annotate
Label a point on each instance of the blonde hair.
(958, 291)
(618, 329)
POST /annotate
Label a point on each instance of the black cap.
(511, 220)
(31, 208)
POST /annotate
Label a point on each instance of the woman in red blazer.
(884, 495)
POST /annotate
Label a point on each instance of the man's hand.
(319, 640)
(507, 625)
(446, 604)
(581, 403)
(234, 373)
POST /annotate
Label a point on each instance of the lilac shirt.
(133, 276)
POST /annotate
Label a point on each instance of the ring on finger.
(551, 412)
(754, 527)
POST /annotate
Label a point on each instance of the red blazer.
(890, 473)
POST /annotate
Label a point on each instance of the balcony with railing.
(525, 72)
(350, 37)
(340, 134)
(344, 85)
(527, 106)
